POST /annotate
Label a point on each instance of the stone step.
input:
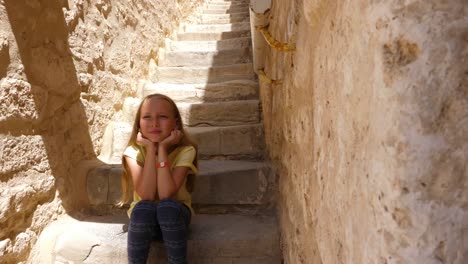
(229, 113)
(181, 75)
(213, 45)
(223, 10)
(240, 15)
(228, 2)
(219, 182)
(213, 239)
(204, 58)
(197, 93)
(225, 5)
(206, 36)
(223, 20)
(218, 28)
(243, 9)
(215, 5)
(233, 183)
(232, 142)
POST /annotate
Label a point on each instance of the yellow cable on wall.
(284, 47)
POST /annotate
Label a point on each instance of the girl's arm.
(144, 175)
(169, 182)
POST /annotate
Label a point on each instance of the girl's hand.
(142, 141)
(173, 139)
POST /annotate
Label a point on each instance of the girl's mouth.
(155, 131)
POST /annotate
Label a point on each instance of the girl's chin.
(154, 138)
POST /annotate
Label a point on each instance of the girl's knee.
(169, 208)
(143, 211)
(168, 202)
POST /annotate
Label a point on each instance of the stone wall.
(65, 69)
(367, 125)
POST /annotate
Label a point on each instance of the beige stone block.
(233, 10)
(202, 36)
(178, 92)
(212, 45)
(106, 147)
(115, 185)
(108, 88)
(5, 205)
(114, 142)
(208, 139)
(218, 27)
(19, 100)
(97, 185)
(221, 20)
(240, 15)
(235, 182)
(224, 91)
(243, 140)
(220, 113)
(206, 58)
(226, 5)
(182, 75)
(22, 153)
(118, 54)
(103, 185)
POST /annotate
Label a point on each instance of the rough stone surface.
(219, 182)
(218, 238)
(225, 91)
(233, 182)
(369, 130)
(206, 74)
(229, 142)
(212, 36)
(65, 69)
(115, 139)
(205, 58)
(220, 113)
(218, 27)
(234, 10)
(213, 45)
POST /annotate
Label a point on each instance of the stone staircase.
(208, 71)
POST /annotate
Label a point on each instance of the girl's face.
(157, 119)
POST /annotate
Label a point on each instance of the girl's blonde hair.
(185, 141)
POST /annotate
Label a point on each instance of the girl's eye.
(163, 117)
(146, 117)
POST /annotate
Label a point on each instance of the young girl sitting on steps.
(161, 162)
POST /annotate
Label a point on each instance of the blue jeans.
(168, 220)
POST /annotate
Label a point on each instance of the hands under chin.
(142, 141)
(173, 139)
